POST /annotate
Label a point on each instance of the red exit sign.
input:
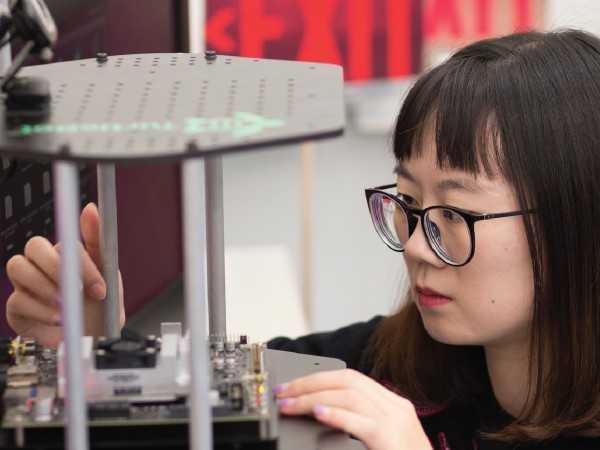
(451, 24)
(370, 38)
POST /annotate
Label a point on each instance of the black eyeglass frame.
(469, 219)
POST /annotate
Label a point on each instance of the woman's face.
(489, 300)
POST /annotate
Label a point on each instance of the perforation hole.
(151, 143)
(172, 142)
(110, 142)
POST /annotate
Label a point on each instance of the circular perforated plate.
(170, 106)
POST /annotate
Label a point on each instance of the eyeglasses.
(450, 231)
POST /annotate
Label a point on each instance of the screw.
(210, 55)
(192, 147)
(101, 57)
(64, 150)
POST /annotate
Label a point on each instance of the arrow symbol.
(241, 125)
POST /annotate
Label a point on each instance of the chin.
(444, 335)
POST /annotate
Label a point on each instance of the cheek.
(495, 299)
(503, 249)
(502, 269)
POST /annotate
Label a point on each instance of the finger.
(376, 433)
(330, 380)
(44, 256)
(23, 311)
(90, 231)
(28, 317)
(92, 280)
(122, 315)
(348, 399)
(24, 275)
(361, 427)
(400, 430)
(345, 380)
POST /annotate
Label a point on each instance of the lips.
(429, 298)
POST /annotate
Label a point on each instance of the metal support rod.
(200, 421)
(196, 25)
(109, 248)
(66, 199)
(215, 246)
(307, 175)
(5, 52)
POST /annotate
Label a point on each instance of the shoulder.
(347, 343)
(452, 426)
(448, 426)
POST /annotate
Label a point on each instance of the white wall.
(583, 14)
(354, 276)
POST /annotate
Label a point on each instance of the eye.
(450, 215)
(407, 199)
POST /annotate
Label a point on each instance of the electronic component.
(126, 353)
(140, 382)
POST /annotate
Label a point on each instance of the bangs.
(454, 102)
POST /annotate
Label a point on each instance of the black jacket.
(449, 427)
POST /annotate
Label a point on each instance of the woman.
(496, 209)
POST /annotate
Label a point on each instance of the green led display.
(241, 124)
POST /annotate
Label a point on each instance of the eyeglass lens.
(447, 232)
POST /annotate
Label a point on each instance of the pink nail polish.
(285, 402)
(57, 319)
(280, 388)
(321, 411)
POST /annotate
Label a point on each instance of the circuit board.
(137, 393)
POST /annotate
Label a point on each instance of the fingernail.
(57, 319)
(98, 291)
(280, 388)
(285, 402)
(321, 411)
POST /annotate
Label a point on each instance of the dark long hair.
(525, 107)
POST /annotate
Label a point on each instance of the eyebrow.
(448, 184)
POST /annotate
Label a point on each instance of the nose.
(418, 249)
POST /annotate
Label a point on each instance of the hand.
(34, 308)
(355, 403)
